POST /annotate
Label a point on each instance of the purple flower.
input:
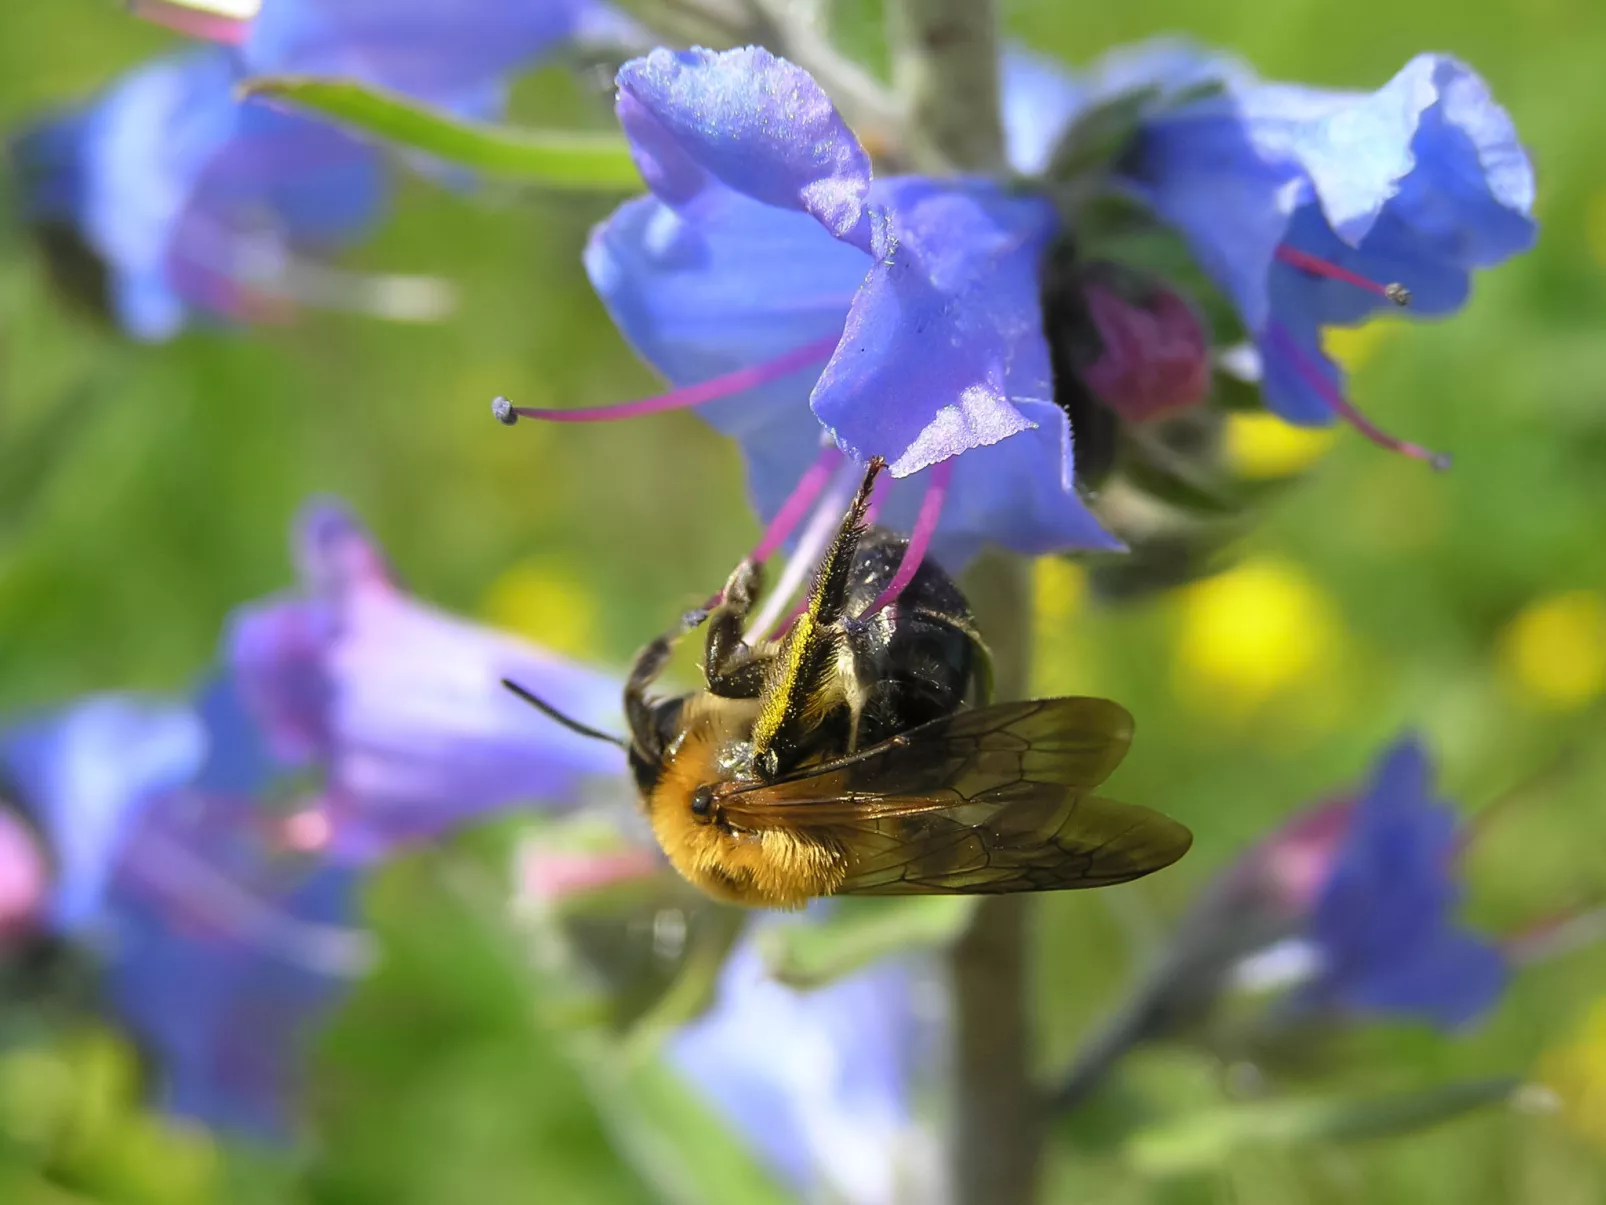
(819, 1082)
(1384, 921)
(1346, 912)
(191, 202)
(768, 268)
(1312, 208)
(83, 776)
(402, 705)
(453, 53)
(226, 953)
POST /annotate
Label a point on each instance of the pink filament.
(1317, 380)
(181, 18)
(798, 502)
(695, 395)
(919, 539)
(1317, 266)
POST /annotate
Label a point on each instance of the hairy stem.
(998, 1122)
(945, 70)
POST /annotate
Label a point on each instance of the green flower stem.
(945, 69)
(998, 1121)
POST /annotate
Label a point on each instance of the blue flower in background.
(1345, 912)
(194, 202)
(768, 268)
(1384, 921)
(220, 947)
(1312, 208)
(84, 775)
(227, 954)
(402, 705)
(818, 1082)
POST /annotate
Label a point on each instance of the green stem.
(945, 69)
(998, 1121)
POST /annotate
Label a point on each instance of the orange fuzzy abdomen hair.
(772, 868)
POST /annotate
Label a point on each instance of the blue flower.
(1312, 208)
(83, 776)
(198, 203)
(1344, 913)
(402, 706)
(453, 53)
(226, 954)
(1384, 920)
(768, 267)
(818, 1082)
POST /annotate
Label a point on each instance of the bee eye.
(702, 802)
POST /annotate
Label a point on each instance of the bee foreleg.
(733, 668)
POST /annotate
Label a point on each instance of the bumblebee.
(856, 753)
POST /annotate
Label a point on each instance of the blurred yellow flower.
(1059, 587)
(1354, 346)
(1576, 1072)
(1263, 446)
(546, 603)
(1252, 634)
(1553, 653)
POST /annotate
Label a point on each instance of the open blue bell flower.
(794, 298)
(1310, 207)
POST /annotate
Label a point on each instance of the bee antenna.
(569, 722)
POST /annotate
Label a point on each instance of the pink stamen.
(193, 22)
(1317, 380)
(798, 502)
(1316, 266)
(687, 395)
(919, 539)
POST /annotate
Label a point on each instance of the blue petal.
(1450, 983)
(728, 285)
(1016, 494)
(1384, 920)
(752, 121)
(827, 1106)
(85, 775)
(1200, 170)
(1431, 145)
(947, 332)
(226, 997)
(1038, 98)
(149, 140)
(438, 50)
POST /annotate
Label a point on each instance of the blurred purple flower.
(1383, 922)
(1347, 911)
(1312, 208)
(818, 1082)
(403, 705)
(227, 953)
(767, 267)
(83, 776)
(190, 201)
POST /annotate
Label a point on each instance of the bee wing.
(993, 800)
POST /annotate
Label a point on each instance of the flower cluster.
(982, 337)
(187, 844)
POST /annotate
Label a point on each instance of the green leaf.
(672, 1139)
(859, 932)
(556, 158)
(1205, 1139)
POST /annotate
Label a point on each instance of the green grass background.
(144, 491)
